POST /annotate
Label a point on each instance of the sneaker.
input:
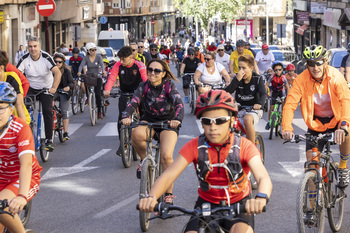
(343, 178)
(169, 198)
(100, 116)
(186, 99)
(119, 151)
(87, 101)
(65, 136)
(267, 126)
(138, 170)
(49, 145)
(106, 102)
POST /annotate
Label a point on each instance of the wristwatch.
(262, 195)
(344, 123)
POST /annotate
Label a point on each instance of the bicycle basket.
(90, 79)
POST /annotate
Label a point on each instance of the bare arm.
(196, 77)
(226, 76)
(20, 107)
(256, 68)
(230, 66)
(342, 70)
(347, 74)
(56, 79)
(183, 66)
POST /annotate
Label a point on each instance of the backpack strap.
(167, 89)
(146, 89)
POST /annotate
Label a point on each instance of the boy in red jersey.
(19, 170)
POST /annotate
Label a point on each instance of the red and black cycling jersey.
(129, 76)
(278, 83)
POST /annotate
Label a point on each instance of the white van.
(115, 39)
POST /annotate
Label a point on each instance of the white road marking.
(296, 168)
(117, 206)
(55, 172)
(74, 127)
(199, 124)
(110, 129)
(186, 136)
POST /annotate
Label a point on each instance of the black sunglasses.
(315, 63)
(220, 50)
(58, 61)
(140, 47)
(218, 120)
(156, 71)
(154, 49)
(207, 59)
(192, 54)
(278, 70)
(134, 50)
(92, 50)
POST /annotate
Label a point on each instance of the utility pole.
(246, 32)
(267, 23)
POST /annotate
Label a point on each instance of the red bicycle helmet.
(215, 99)
(290, 67)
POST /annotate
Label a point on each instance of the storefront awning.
(344, 19)
(301, 29)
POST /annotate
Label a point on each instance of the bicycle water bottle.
(31, 113)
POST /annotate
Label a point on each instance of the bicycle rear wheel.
(310, 215)
(75, 99)
(259, 143)
(103, 105)
(272, 124)
(81, 100)
(25, 214)
(278, 127)
(92, 108)
(147, 179)
(193, 99)
(125, 145)
(336, 197)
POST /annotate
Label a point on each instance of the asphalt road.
(85, 187)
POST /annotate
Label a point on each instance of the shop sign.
(123, 20)
(331, 17)
(300, 5)
(1, 16)
(302, 16)
(317, 7)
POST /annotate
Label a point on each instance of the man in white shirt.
(264, 59)
(222, 57)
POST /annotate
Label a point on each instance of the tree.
(204, 10)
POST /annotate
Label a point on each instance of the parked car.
(335, 57)
(110, 54)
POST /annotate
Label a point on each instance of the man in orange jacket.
(324, 101)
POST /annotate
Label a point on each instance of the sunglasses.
(218, 120)
(92, 50)
(315, 63)
(156, 71)
(59, 62)
(154, 49)
(207, 59)
(140, 47)
(134, 50)
(3, 110)
(278, 70)
(220, 50)
(191, 54)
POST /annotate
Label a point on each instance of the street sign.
(46, 7)
(281, 31)
(76, 33)
(103, 20)
(152, 22)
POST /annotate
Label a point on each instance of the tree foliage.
(204, 10)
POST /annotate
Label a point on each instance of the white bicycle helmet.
(90, 45)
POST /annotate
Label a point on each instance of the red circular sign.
(46, 7)
(152, 22)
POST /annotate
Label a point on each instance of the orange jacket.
(200, 56)
(302, 90)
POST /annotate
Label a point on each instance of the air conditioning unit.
(108, 4)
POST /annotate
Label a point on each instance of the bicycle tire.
(159, 172)
(272, 124)
(145, 187)
(259, 143)
(92, 109)
(125, 147)
(75, 99)
(303, 205)
(25, 214)
(59, 128)
(193, 99)
(44, 154)
(81, 101)
(278, 126)
(335, 196)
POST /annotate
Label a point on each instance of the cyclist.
(236, 54)
(324, 102)
(41, 72)
(290, 75)
(141, 48)
(247, 46)
(135, 53)
(13, 79)
(154, 52)
(228, 48)
(198, 54)
(189, 65)
(161, 101)
(179, 54)
(250, 92)
(130, 74)
(66, 85)
(264, 59)
(20, 170)
(210, 72)
(94, 63)
(166, 52)
(210, 153)
(279, 87)
(212, 48)
(222, 57)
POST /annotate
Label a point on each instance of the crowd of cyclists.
(222, 158)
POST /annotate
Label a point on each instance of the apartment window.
(115, 4)
(28, 33)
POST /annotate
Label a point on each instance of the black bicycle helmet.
(59, 55)
(276, 63)
(240, 43)
(153, 46)
(75, 50)
(190, 51)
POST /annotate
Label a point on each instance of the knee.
(137, 136)
(248, 120)
(166, 158)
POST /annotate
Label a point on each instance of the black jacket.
(67, 80)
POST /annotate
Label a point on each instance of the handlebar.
(186, 74)
(118, 94)
(3, 205)
(214, 86)
(311, 138)
(158, 125)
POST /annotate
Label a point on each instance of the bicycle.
(319, 180)
(151, 166)
(24, 215)
(90, 83)
(104, 99)
(128, 151)
(58, 120)
(78, 97)
(192, 92)
(37, 127)
(207, 216)
(276, 118)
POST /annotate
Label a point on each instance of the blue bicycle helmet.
(240, 43)
(7, 93)
(276, 63)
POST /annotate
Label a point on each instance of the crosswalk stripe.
(110, 129)
(74, 127)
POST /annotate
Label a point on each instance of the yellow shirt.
(234, 57)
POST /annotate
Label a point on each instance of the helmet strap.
(321, 79)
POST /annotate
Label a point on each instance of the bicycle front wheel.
(125, 145)
(336, 197)
(272, 124)
(259, 143)
(147, 179)
(75, 99)
(193, 99)
(278, 128)
(92, 109)
(310, 215)
(25, 214)
(81, 100)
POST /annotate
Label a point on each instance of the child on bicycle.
(160, 102)
(20, 170)
(290, 75)
(279, 87)
(222, 161)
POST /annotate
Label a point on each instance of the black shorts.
(192, 225)
(321, 144)
(275, 95)
(186, 80)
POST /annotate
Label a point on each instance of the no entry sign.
(46, 7)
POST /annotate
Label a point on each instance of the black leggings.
(46, 101)
(123, 102)
(98, 91)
